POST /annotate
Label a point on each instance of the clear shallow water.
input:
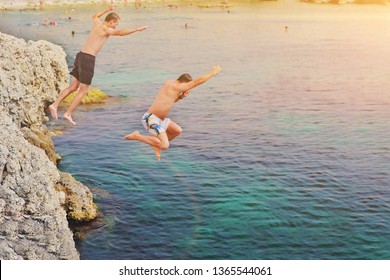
(284, 155)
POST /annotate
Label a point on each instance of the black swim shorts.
(84, 67)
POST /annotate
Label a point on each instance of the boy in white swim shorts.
(162, 130)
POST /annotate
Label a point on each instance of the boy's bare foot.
(69, 118)
(137, 136)
(157, 152)
(53, 112)
(132, 136)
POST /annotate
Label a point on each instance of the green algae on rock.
(94, 96)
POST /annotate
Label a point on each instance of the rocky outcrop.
(78, 198)
(33, 225)
(36, 199)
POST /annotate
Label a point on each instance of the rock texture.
(33, 225)
(36, 199)
(77, 198)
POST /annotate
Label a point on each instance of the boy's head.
(112, 20)
(185, 78)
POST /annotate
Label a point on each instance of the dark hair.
(112, 16)
(185, 78)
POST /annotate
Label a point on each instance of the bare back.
(172, 91)
(96, 38)
(165, 99)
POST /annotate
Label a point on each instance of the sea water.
(284, 155)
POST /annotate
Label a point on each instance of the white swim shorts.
(153, 124)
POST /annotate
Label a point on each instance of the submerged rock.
(94, 96)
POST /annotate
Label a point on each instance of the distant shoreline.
(29, 5)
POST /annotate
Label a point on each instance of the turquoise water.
(284, 155)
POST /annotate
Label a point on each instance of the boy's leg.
(83, 90)
(158, 143)
(173, 130)
(53, 107)
(163, 137)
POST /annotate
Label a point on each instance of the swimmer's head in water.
(112, 19)
(185, 78)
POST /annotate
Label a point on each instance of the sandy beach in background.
(44, 4)
(22, 5)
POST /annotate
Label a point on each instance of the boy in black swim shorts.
(84, 67)
(84, 64)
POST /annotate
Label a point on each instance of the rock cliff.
(36, 199)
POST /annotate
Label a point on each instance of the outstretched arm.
(99, 14)
(124, 32)
(183, 87)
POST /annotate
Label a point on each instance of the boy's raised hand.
(141, 28)
(216, 69)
